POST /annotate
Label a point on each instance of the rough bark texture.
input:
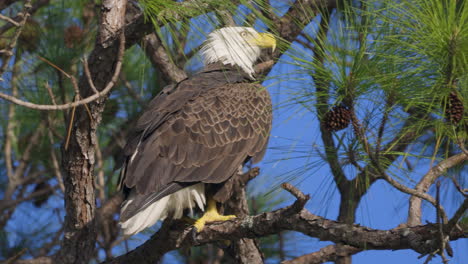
(421, 239)
(161, 60)
(78, 244)
(244, 250)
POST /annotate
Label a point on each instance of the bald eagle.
(194, 135)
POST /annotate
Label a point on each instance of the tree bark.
(78, 244)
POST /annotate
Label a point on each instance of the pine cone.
(337, 118)
(73, 36)
(454, 109)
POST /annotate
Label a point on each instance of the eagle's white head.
(238, 46)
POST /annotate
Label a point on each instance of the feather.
(198, 133)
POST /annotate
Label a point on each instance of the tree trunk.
(78, 244)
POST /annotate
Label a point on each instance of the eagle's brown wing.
(196, 134)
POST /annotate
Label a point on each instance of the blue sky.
(292, 157)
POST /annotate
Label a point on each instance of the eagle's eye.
(244, 34)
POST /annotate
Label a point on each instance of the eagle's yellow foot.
(211, 215)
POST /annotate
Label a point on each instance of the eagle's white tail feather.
(159, 210)
(199, 199)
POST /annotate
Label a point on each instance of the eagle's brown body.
(198, 131)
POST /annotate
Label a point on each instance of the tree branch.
(325, 254)
(23, 17)
(414, 210)
(420, 238)
(161, 60)
(78, 243)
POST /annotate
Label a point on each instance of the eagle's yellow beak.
(266, 40)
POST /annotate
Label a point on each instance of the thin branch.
(40, 260)
(162, 60)
(11, 203)
(8, 19)
(55, 66)
(131, 90)
(414, 210)
(50, 92)
(325, 254)
(457, 216)
(360, 134)
(9, 134)
(88, 76)
(463, 192)
(6, 58)
(37, 5)
(55, 163)
(414, 192)
(86, 100)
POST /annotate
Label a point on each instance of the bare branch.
(51, 93)
(414, 210)
(458, 214)
(414, 192)
(419, 238)
(86, 100)
(325, 254)
(131, 90)
(40, 260)
(8, 19)
(88, 76)
(463, 192)
(161, 60)
(24, 17)
(55, 163)
(37, 5)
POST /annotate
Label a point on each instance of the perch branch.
(419, 238)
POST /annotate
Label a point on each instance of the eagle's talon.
(211, 215)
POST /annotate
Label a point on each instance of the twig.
(301, 197)
(458, 214)
(9, 135)
(50, 92)
(37, 4)
(131, 90)
(464, 192)
(10, 20)
(414, 192)
(359, 132)
(264, 67)
(414, 209)
(55, 66)
(55, 164)
(16, 256)
(78, 102)
(72, 117)
(383, 122)
(88, 75)
(6, 58)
